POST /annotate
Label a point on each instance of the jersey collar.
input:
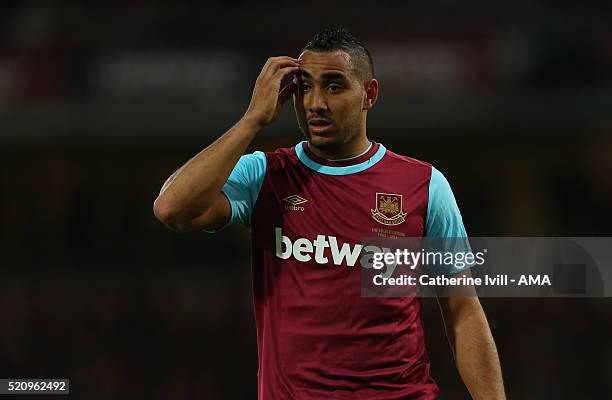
(340, 167)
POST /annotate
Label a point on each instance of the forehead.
(316, 63)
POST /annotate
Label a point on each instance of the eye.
(334, 88)
(304, 87)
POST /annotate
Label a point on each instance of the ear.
(371, 94)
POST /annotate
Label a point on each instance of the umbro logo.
(295, 199)
(292, 203)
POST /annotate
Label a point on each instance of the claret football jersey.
(317, 336)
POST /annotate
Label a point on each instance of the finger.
(286, 71)
(287, 92)
(273, 60)
(279, 63)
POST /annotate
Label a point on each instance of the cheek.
(300, 113)
(352, 108)
(298, 106)
(298, 101)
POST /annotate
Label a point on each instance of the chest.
(373, 203)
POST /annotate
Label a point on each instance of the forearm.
(190, 197)
(476, 355)
(192, 188)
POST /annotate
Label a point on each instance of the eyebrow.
(326, 76)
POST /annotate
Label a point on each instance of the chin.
(326, 143)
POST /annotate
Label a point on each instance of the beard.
(325, 144)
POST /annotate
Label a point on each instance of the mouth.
(319, 125)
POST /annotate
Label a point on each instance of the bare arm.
(190, 198)
(473, 346)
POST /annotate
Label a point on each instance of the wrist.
(251, 122)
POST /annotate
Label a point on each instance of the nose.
(317, 101)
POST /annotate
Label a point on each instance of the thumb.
(286, 92)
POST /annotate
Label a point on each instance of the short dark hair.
(339, 38)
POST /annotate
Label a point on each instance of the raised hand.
(268, 97)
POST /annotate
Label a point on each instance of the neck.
(349, 150)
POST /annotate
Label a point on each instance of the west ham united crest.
(388, 209)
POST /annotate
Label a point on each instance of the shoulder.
(281, 152)
(281, 157)
(249, 164)
(409, 163)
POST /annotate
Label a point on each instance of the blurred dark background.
(99, 103)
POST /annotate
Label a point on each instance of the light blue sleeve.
(444, 225)
(443, 216)
(243, 186)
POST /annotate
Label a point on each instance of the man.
(308, 207)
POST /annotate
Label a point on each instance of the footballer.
(308, 208)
